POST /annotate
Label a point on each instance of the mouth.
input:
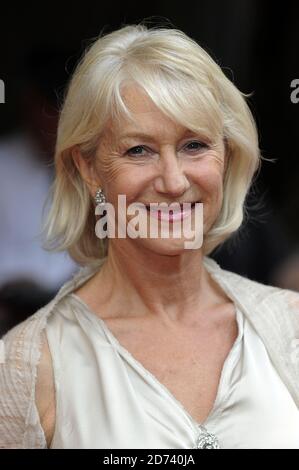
(166, 208)
(171, 215)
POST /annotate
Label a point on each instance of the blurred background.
(255, 43)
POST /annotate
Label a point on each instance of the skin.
(172, 280)
(155, 296)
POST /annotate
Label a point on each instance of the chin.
(166, 247)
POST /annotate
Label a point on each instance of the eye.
(195, 146)
(139, 150)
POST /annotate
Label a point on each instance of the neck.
(162, 285)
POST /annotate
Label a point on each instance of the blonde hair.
(187, 85)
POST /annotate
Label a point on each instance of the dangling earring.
(100, 197)
(100, 201)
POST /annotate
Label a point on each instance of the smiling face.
(154, 160)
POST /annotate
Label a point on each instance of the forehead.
(137, 100)
(145, 114)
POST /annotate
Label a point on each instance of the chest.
(187, 361)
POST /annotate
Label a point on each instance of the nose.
(171, 178)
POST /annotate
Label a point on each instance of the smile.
(170, 214)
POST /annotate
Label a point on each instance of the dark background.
(255, 42)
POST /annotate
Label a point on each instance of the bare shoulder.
(45, 391)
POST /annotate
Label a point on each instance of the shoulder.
(250, 289)
(21, 349)
(23, 343)
(26, 376)
(274, 311)
(27, 401)
(276, 296)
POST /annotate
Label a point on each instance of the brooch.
(206, 440)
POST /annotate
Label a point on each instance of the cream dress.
(106, 399)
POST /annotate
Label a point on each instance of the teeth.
(181, 205)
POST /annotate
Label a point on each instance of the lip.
(172, 215)
(174, 202)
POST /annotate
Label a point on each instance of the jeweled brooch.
(206, 440)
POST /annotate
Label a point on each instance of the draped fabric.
(107, 399)
(258, 396)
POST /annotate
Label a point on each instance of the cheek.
(122, 177)
(210, 181)
(109, 167)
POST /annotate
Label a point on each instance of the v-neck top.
(106, 399)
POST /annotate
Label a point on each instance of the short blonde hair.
(187, 85)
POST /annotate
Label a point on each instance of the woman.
(152, 344)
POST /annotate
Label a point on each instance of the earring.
(100, 201)
(100, 197)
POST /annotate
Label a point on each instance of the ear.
(86, 170)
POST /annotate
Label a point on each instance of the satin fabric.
(105, 399)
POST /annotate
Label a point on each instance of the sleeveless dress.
(106, 399)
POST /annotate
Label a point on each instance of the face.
(154, 160)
